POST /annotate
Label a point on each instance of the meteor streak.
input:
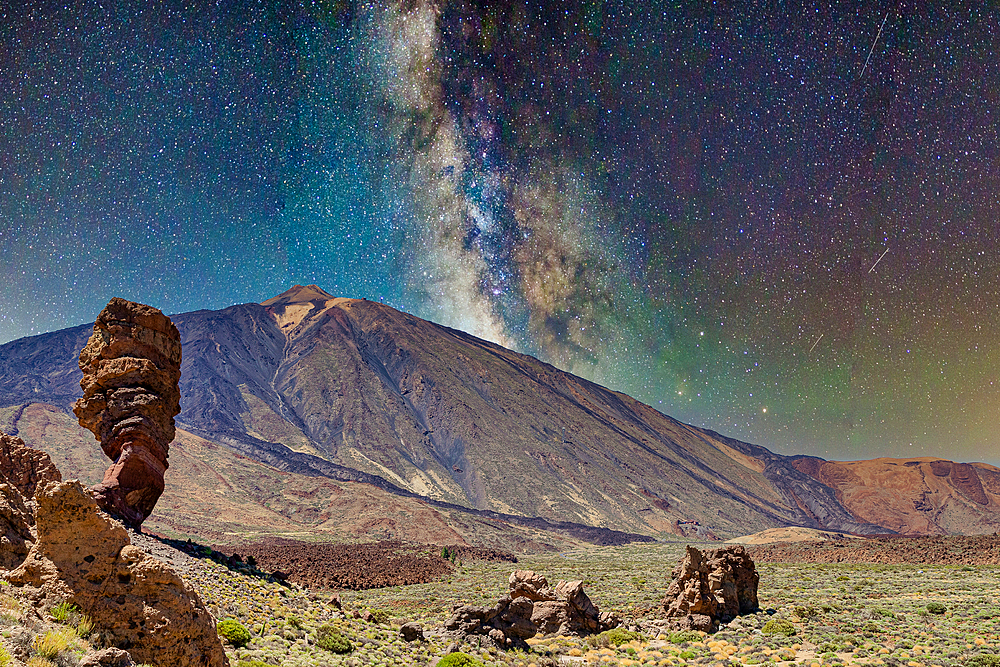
(872, 50)
(878, 260)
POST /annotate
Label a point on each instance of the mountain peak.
(298, 294)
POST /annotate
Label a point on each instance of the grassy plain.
(895, 615)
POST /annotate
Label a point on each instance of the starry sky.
(778, 220)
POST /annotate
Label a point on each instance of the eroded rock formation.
(83, 556)
(531, 607)
(131, 367)
(22, 470)
(711, 587)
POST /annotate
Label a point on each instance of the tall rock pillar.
(131, 366)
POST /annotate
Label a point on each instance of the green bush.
(458, 660)
(327, 637)
(688, 655)
(613, 637)
(233, 632)
(936, 608)
(63, 611)
(684, 636)
(983, 660)
(778, 626)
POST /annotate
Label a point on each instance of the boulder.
(411, 632)
(131, 370)
(532, 607)
(108, 657)
(711, 587)
(22, 470)
(83, 556)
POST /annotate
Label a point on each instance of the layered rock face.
(131, 367)
(137, 602)
(22, 470)
(711, 587)
(531, 607)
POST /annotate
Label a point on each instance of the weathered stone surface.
(22, 470)
(25, 468)
(531, 608)
(717, 585)
(15, 528)
(138, 603)
(411, 632)
(108, 657)
(131, 367)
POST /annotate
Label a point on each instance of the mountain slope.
(354, 390)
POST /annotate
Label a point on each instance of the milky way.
(778, 223)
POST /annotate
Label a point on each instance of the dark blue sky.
(683, 201)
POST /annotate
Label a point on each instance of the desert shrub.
(458, 660)
(613, 637)
(806, 612)
(84, 626)
(63, 611)
(293, 620)
(380, 616)
(39, 661)
(684, 636)
(253, 663)
(53, 642)
(983, 660)
(233, 632)
(778, 626)
(936, 608)
(5, 659)
(688, 655)
(328, 638)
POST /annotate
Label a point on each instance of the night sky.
(777, 220)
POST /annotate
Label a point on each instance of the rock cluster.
(137, 602)
(711, 587)
(22, 470)
(531, 607)
(131, 368)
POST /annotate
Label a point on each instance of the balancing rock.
(131, 369)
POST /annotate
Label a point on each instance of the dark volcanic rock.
(717, 585)
(532, 607)
(411, 632)
(131, 367)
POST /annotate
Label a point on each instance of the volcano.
(354, 391)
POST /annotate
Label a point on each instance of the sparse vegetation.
(779, 626)
(936, 608)
(328, 638)
(877, 626)
(685, 636)
(233, 632)
(458, 660)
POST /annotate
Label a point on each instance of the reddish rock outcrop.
(131, 367)
(711, 587)
(138, 603)
(22, 470)
(531, 607)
